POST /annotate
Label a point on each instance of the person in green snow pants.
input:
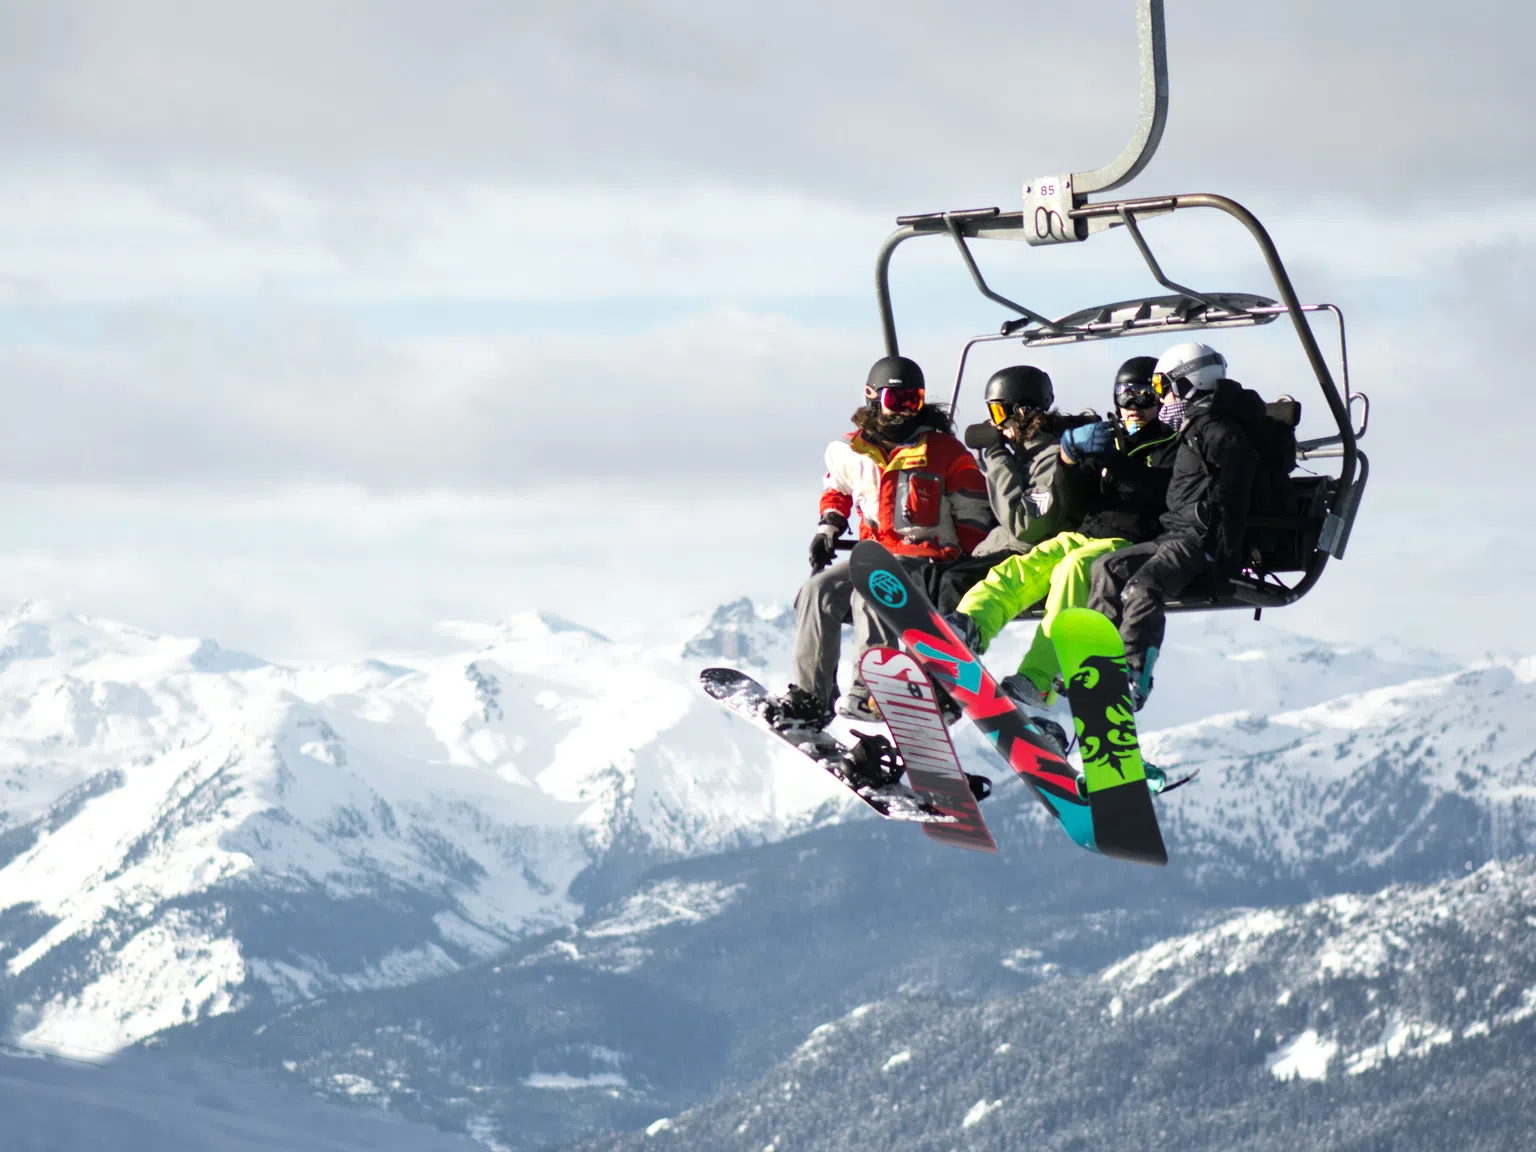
(1119, 471)
(1056, 570)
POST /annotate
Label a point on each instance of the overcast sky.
(323, 322)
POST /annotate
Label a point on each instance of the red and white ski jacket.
(926, 497)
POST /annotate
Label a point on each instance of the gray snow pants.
(823, 603)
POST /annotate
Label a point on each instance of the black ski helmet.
(1022, 384)
(893, 372)
(1134, 382)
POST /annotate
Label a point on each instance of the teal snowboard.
(1092, 661)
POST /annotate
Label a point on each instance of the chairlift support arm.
(1050, 202)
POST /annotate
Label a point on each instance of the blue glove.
(1088, 440)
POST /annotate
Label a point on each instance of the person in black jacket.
(1117, 472)
(1208, 494)
(1120, 468)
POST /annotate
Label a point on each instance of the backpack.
(1274, 439)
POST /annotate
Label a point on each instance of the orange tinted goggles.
(997, 410)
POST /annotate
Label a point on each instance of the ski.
(902, 604)
(1179, 783)
(1092, 659)
(746, 697)
(910, 708)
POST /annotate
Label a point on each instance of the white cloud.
(332, 572)
(392, 252)
(885, 100)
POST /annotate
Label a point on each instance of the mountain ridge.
(1401, 1019)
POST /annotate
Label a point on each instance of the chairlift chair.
(1291, 551)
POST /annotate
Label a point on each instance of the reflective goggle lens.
(997, 410)
(1161, 384)
(900, 401)
(1137, 397)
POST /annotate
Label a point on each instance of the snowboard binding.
(873, 762)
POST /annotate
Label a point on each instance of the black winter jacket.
(1213, 472)
(1124, 493)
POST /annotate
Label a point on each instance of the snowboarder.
(1208, 495)
(1119, 469)
(918, 492)
(1019, 445)
(1019, 449)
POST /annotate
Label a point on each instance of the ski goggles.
(999, 412)
(1178, 380)
(901, 401)
(1166, 384)
(1137, 396)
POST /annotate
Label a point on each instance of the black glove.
(823, 548)
(824, 543)
(979, 437)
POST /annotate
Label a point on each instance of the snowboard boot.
(797, 711)
(1031, 701)
(1139, 673)
(967, 629)
(948, 707)
(858, 704)
(981, 786)
(1157, 779)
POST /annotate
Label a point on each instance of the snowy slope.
(1226, 661)
(182, 827)
(1383, 779)
(146, 1103)
(1358, 982)
(1401, 1020)
(807, 925)
(185, 830)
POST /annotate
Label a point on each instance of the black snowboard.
(746, 697)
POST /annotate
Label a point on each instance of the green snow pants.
(1056, 570)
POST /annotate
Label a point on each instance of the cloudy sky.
(322, 323)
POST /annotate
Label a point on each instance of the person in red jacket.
(917, 491)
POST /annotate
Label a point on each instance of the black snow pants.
(1131, 587)
(954, 578)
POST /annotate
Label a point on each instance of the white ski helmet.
(1187, 368)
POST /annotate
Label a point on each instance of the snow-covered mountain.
(146, 1103)
(1393, 781)
(1403, 1019)
(755, 946)
(186, 832)
(183, 828)
(1219, 662)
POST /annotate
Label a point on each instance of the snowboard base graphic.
(746, 697)
(910, 708)
(904, 607)
(1092, 659)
